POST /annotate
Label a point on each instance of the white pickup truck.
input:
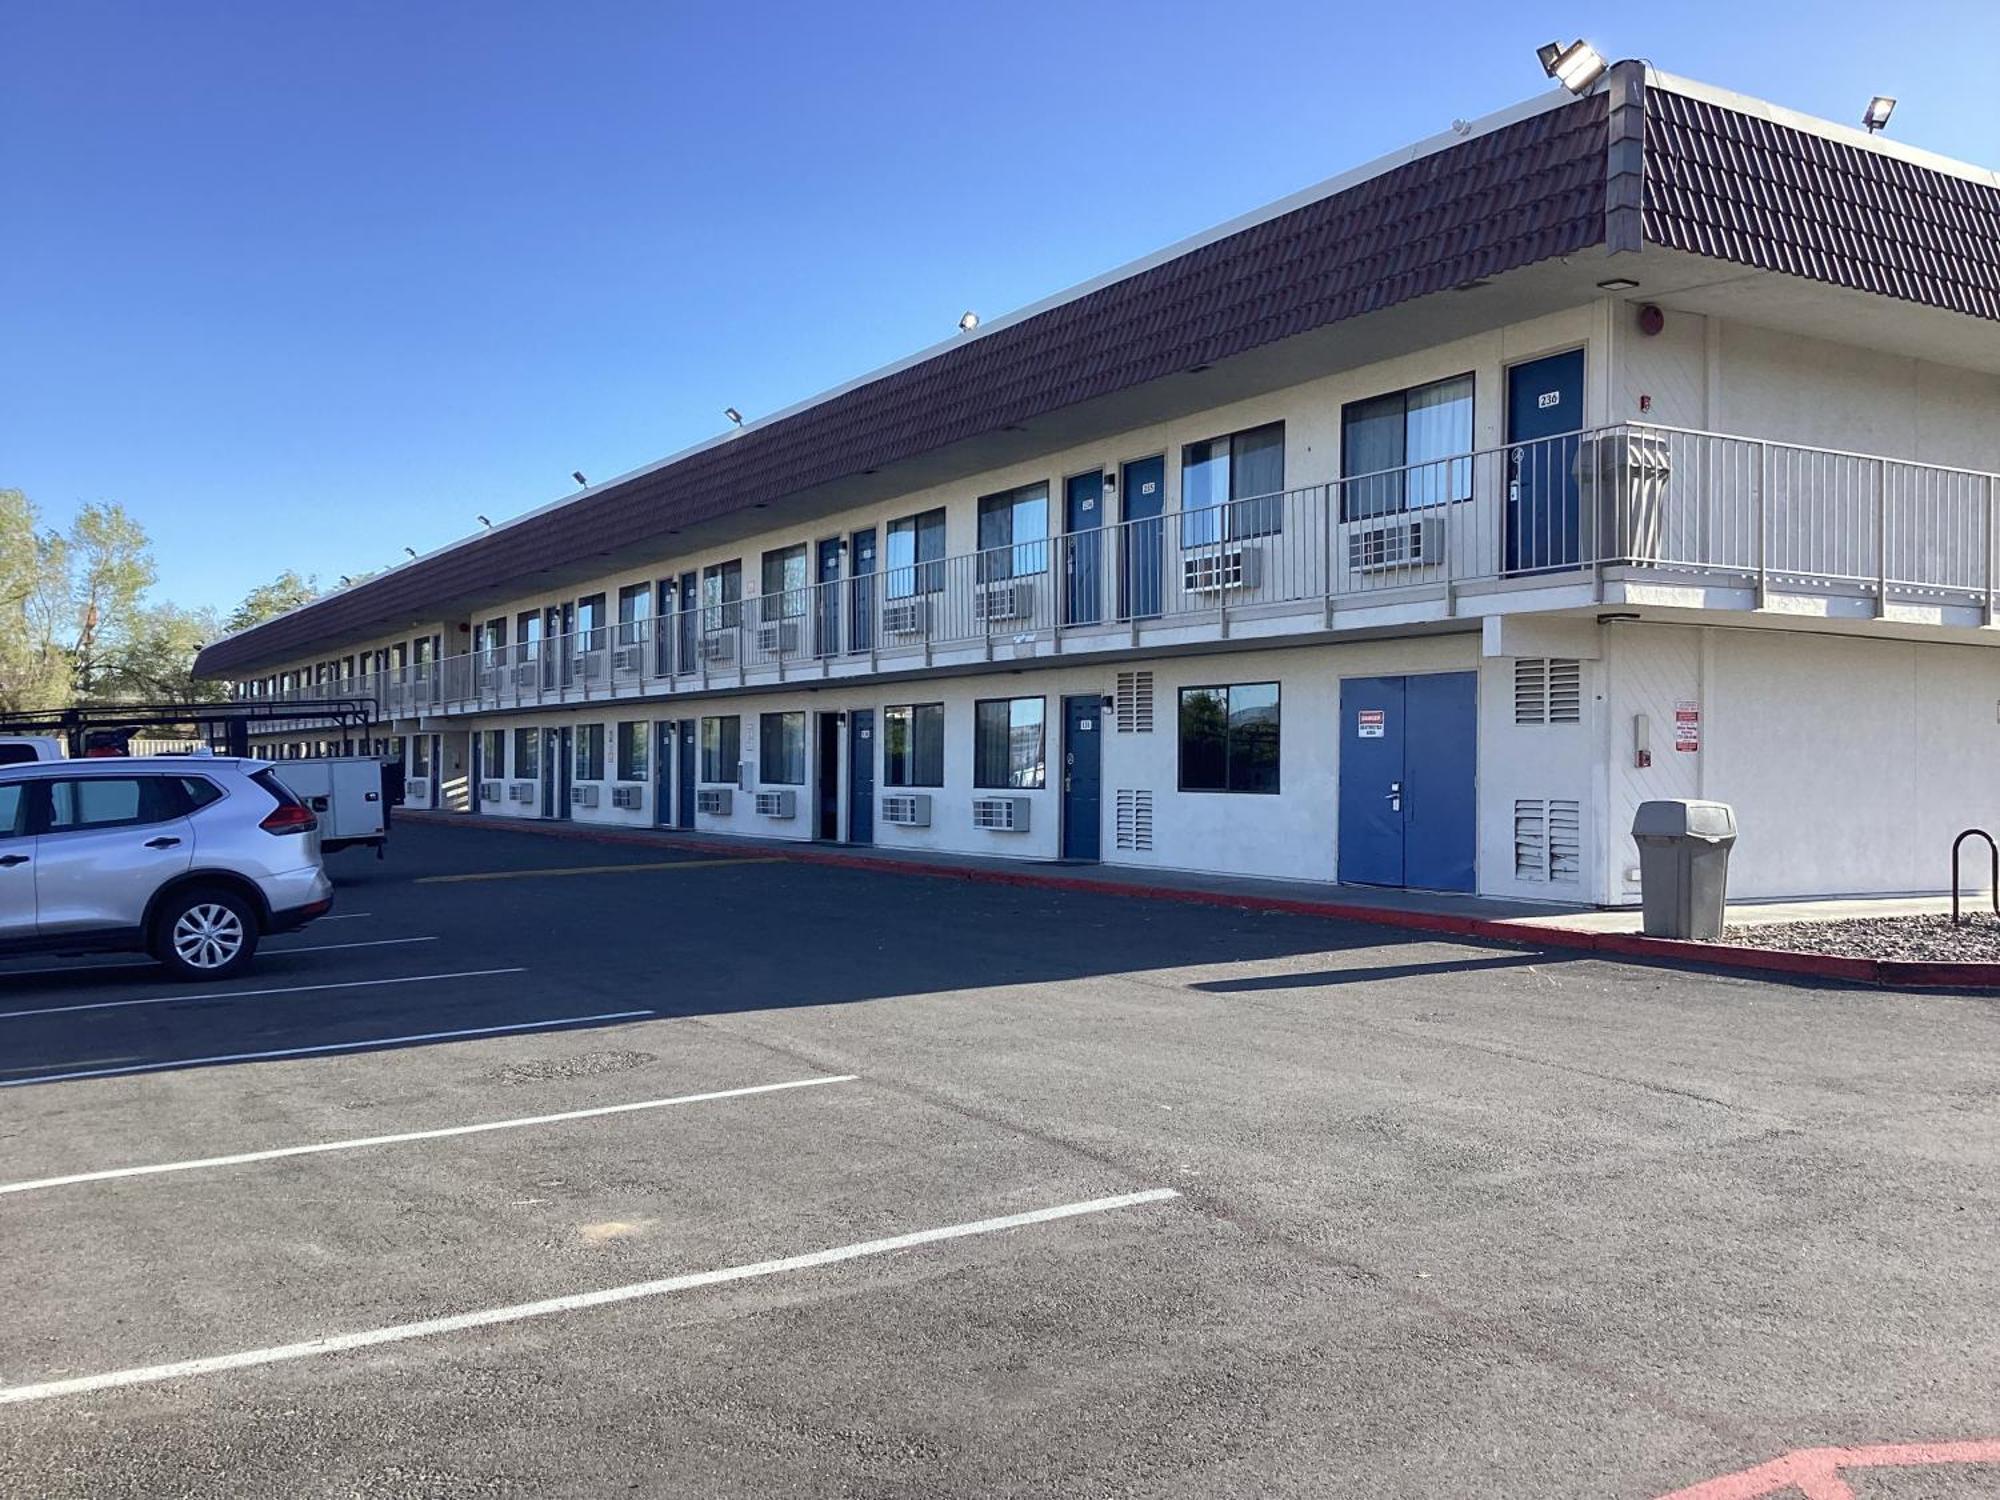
(17, 750)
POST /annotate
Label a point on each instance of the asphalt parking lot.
(816, 1181)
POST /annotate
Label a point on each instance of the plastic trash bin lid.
(1676, 817)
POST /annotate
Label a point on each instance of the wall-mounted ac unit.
(583, 796)
(719, 645)
(417, 789)
(778, 638)
(491, 791)
(907, 809)
(628, 659)
(1400, 544)
(520, 791)
(590, 666)
(905, 617)
(1005, 601)
(1217, 570)
(1001, 814)
(778, 804)
(631, 798)
(526, 675)
(716, 801)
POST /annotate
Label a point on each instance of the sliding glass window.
(913, 744)
(915, 555)
(1014, 533)
(721, 748)
(1233, 487)
(1406, 450)
(1008, 744)
(781, 749)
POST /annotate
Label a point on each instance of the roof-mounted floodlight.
(733, 414)
(1576, 67)
(1878, 112)
(577, 475)
(968, 322)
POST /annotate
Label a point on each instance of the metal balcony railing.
(1746, 511)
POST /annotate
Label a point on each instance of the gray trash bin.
(1684, 866)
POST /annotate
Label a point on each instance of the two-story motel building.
(1408, 532)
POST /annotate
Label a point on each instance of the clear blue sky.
(300, 284)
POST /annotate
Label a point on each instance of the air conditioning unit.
(1001, 814)
(905, 617)
(716, 801)
(583, 796)
(1219, 570)
(719, 645)
(631, 798)
(491, 791)
(778, 638)
(1400, 544)
(629, 659)
(521, 791)
(590, 666)
(907, 809)
(1005, 601)
(417, 789)
(527, 675)
(778, 804)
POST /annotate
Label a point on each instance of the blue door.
(861, 615)
(1144, 539)
(1083, 559)
(1544, 411)
(861, 776)
(687, 769)
(829, 596)
(1409, 781)
(1083, 723)
(663, 772)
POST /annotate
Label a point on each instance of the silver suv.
(189, 859)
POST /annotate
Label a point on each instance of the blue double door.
(1409, 781)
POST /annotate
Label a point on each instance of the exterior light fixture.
(577, 475)
(411, 550)
(345, 581)
(484, 522)
(1617, 284)
(733, 414)
(1576, 67)
(1878, 112)
(968, 321)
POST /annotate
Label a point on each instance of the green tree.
(109, 563)
(156, 663)
(269, 600)
(34, 670)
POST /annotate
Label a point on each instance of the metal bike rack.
(1993, 890)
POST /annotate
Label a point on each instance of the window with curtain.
(527, 636)
(590, 623)
(492, 754)
(1406, 450)
(1229, 738)
(1008, 744)
(527, 754)
(913, 745)
(915, 555)
(1232, 487)
(721, 748)
(785, 583)
(632, 745)
(590, 752)
(781, 749)
(1014, 533)
(722, 596)
(635, 608)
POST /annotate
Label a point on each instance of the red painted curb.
(1896, 973)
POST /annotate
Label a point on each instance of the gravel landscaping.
(1929, 938)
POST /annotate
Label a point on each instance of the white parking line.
(290, 989)
(398, 1333)
(147, 963)
(357, 1143)
(343, 916)
(337, 947)
(548, 1024)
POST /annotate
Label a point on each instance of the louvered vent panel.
(1531, 840)
(1565, 841)
(1531, 690)
(1565, 690)
(1135, 702)
(1135, 820)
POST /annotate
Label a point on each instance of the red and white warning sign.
(1687, 726)
(1370, 723)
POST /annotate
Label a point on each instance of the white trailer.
(346, 793)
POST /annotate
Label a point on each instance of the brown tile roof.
(1736, 187)
(1519, 194)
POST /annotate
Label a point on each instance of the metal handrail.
(1993, 890)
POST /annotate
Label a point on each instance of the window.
(632, 750)
(1232, 487)
(635, 607)
(913, 745)
(492, 754)
(722, 596)
(1406, 450)
(1007, 743)
(590, 623)
(527, 636)
(420, 754)
(784, 583)
(1013, 533)
(781, 747)
(496, 641)
(1229, 738)
(721, 748)
(916, 555)
(527, 753)
(109, 802)
(590, 752)
(13, 812)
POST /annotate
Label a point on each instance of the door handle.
(1394, 796)
(164, 842)
(8, 861)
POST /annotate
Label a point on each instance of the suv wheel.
(206, 933)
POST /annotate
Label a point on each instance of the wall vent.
(1548, 840)
(1548, 690)
(1135, 820)
(1135, 703)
